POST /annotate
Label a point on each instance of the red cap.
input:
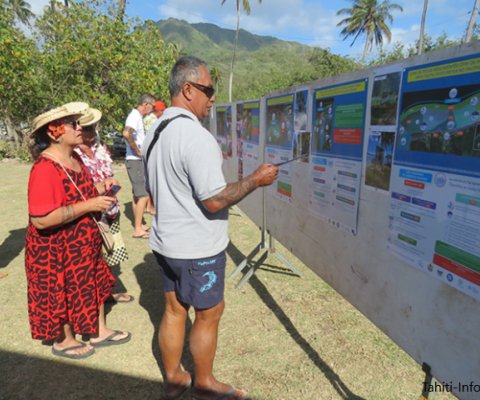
(159, 106)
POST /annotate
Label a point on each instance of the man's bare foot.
(176, 387)
(220, 390)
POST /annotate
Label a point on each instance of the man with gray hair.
(189, 232)
(134, 134)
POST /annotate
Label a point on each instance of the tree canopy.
(368, 18)
(80, 53)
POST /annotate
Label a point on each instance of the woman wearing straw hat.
(68, 280)
(98, 160)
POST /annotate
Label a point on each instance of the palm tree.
(246, 7)
(21, 9)
(369, 18)
(178, 50)
(472, 21)
(216, 77)
(422, 28)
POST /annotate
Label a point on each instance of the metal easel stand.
(271, 250)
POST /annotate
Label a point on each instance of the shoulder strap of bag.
(158, 131)
(71, 180)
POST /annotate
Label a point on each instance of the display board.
(396, 149)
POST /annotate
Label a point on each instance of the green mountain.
(262, 63)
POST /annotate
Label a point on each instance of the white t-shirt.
(135, 121)
(185, 168)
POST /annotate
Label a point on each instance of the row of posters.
(422, 150)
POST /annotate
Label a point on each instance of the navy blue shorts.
(199, 283)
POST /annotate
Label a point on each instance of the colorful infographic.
(434, 219)
(224, 129)
(279, 143)
(336, 153)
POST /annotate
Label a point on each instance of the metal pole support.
(430, 385)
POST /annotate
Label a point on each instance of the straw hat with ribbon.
(90, 115)
(57, 113)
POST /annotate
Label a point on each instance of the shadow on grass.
(153, 301)
(24, 377)
(12, 246)
(237, 256)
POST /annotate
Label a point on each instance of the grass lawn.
(281, 337)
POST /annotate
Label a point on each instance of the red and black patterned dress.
(67, 277)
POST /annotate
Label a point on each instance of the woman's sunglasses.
(72, 122)
(209, 91)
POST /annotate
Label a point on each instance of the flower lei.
(57, 128)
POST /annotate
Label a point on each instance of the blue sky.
(311, 22)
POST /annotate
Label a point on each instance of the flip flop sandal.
(109, 342)
(63, 353)
(144, 236)
(225, 395)
(180, 393)
(117, 296)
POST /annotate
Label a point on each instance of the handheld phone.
(112, 191)
(293, 159)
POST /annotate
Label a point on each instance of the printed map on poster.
(336, 153)
(434, 218)
(279, 143)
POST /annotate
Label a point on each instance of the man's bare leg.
(203, 345)
(171, 339)
(150, 207)
(138, 210)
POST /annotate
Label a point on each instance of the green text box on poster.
(349, 115)
(458, 255)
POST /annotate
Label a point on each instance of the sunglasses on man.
(209, 91)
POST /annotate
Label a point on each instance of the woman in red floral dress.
(68, 280)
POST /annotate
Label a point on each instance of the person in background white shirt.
(134, 134)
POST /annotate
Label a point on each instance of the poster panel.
(301, 138)
(239, 129)
(224, 116)
(434, 218)
(383, 127)
(251, 136)
(336, 153)
(279, 143)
